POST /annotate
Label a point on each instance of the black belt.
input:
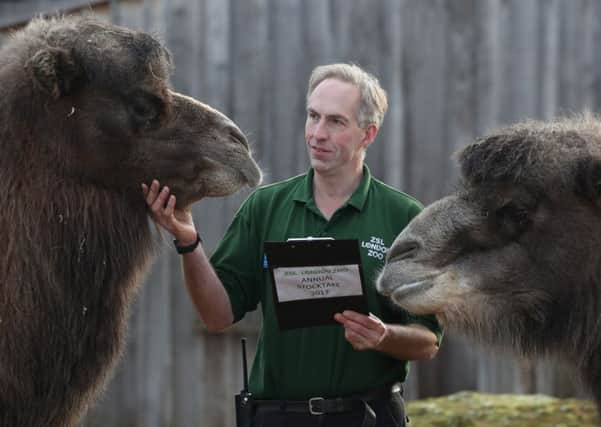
(330, 405)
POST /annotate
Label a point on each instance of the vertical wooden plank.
(549, 45)
(184, 42)
(490, 57)
(497, 372)
(461, 93)
(341, 15)
(596, 89)
(576, 78)
(318, 33)
(425, 57)
(524, 61)
(286, 95)
(390, 143)
(358, 30)
(251, 73)
(186, 348)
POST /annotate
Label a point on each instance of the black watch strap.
(189, 248)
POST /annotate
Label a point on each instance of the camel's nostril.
(402, 250)
(238, 136)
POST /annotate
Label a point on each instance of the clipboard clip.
(308, 238)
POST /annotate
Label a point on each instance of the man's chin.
(320, 167)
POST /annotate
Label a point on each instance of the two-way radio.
(244, 400)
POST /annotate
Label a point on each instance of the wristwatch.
(189, 248)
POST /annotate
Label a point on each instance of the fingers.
(160, 202)
(162, 206)
(170, 207)
(151, 192)
(361, 331)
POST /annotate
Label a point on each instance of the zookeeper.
(349, 373)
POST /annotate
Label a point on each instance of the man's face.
(335, 142)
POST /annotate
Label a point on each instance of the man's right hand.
(178, 222)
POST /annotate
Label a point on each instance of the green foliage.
(471, 409)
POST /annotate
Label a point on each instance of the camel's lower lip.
(411, 289)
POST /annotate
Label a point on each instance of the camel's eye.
(512, 219)
(145, 110)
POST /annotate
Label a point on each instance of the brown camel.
(86, 116)
(513, 257)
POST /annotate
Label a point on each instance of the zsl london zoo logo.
(375, 247)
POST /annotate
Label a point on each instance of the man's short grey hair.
(372, 98)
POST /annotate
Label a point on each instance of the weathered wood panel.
(16, 12)
(452, 69)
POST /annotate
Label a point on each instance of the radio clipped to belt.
(244, 400)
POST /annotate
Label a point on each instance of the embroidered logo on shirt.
(375, 247)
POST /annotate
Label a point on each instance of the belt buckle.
(311, 402)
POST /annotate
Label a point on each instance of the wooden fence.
(453, 70)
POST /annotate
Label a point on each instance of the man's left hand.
(361, 331)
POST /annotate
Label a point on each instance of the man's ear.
(54, 71)
(588, 179)
(370, 134)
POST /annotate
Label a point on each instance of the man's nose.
(320, 130)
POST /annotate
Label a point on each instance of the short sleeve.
(236, 261)
(414, 209)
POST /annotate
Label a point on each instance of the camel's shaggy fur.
(513, 258)
(86, 116)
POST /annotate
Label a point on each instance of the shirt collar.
(304, 191)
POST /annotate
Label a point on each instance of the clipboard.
(314, 278)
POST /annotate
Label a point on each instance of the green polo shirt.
(317, 361)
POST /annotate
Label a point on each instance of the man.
(356, 365)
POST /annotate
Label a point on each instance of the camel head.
(513, 256)
(101, 101)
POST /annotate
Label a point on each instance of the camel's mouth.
(244, 171)
(411, 289)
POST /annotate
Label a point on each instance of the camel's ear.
(588, 180)
(54, 71)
